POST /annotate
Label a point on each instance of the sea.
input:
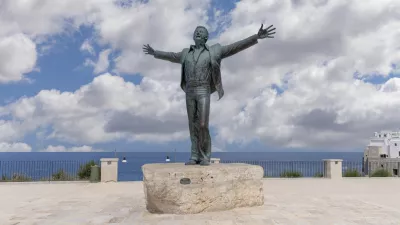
(274, 163)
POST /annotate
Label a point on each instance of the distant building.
(384, 144)
(383, 152)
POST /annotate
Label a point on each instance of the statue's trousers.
(198, 110)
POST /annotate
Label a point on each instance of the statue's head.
(200, 34)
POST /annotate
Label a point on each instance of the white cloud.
(14, 147)
(14, 130)
(318, 48)
(103, 62)
(17, 57)
(106, 109)
(27, 23)
(169, 26)
(392, 85)
(40, 19)
(87, 47)
(60, 148)
(322, 106)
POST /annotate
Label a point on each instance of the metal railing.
(74, 170)
(288, 169)
(60, 170)
(134, 175)
(353, 169)
(293, 169)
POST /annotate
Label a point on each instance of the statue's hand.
(265, 33)
(148, 49)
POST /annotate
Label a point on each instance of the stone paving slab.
(317, 201)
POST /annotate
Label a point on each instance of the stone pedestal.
(109, 169)
(333, 168)
(179, 189)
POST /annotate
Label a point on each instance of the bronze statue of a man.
(200, 77)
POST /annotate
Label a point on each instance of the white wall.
(379, 143)
(394, 148)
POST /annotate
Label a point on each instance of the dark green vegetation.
(291, 174)
(85, 170)
(16, 178)
(318, 175)
(381, 173)
(61, 175)
(351, 173)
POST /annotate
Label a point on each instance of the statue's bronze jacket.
(217, 52)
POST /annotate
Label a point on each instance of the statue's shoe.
(191, 162)
(204, 163)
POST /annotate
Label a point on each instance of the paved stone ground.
(287, 201)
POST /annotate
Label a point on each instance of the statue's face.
(200, 34)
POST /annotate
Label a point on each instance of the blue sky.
(270, 89)
(62, 68)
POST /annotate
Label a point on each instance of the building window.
(384, 135)
(384, 155)
(379, 135)
(395, 144)
(399, 153)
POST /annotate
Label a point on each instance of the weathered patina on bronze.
(200, 77)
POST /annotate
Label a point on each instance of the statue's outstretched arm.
(236, 47)
(229, 50)
(174, 57)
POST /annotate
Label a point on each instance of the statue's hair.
(204, 29)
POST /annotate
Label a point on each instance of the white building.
(384, 144)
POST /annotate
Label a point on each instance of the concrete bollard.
(109, 169)
(333, 168)
(94, 174)
(215, 160)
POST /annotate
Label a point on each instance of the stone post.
(109, 169)
(215, 160)
(333, 168)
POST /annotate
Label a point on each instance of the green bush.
(4, 178)
(61, 175)
(85, 169)
(318, 174)
(16, 178)
(291, 174)
(20, 178)
(381, 173)
(351, 173)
